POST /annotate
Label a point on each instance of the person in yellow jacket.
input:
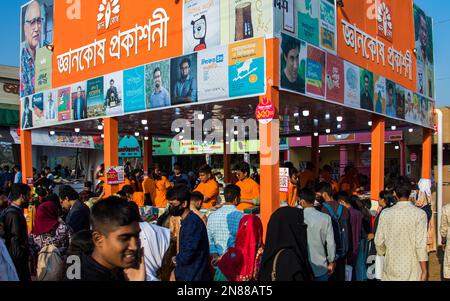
(249, 188)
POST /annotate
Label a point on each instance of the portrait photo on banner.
(352, 86)
(36, 32)
(391, 99)
(157, 84)
(78, 101)
(183, 77)
(113, 93)
(366, 82)
(400, 106)
(293, 64)
(27, 112)
(425, 58)
(379, 93)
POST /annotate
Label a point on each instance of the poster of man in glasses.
(36, 41)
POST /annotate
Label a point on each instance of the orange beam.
(269, 135)
(148, 153)
(26, 155)
(111, 150)
(378, 155)
(426, 156)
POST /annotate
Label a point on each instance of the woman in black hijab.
(285, 255)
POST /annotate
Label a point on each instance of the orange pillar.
(378, 155)
(315, 156)
(111, 150)
(426, 156)
(269, 135)
(26, 156)
(148, 153)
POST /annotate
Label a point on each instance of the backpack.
(340, 231)
(49, 264)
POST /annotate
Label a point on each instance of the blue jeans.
(321, 278)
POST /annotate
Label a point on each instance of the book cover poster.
(95, 101)
(411, 107)
(308, 21)
(43, 80)
(334, 79)
(379, 94)
(157, 84)
(213, 74)
(134, 89)
(328, 25)
(79, 101)
(352, 88)
(201, 24)
(64, 112)
(113, 93)
(38, 109)
(50, 106)
(250, 19)
(315, 72)
(246, 75)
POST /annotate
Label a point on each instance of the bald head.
(33, 25)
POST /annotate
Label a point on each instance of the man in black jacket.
(78, 213)
(15, 227)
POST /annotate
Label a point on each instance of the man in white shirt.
(402, 238)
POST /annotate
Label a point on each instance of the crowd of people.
(324, 230)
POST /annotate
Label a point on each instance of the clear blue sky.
(437, 9)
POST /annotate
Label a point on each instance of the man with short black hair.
(16, 232)
(208, 187)
(340, 216)
(402, 238)
(223, 224)
(87, 192)
(249, 188)
(178, 177)
(78, 213)
(321, 244)
(196, 205)
(290, 77)
(192, 261)
(117, 253)
(185, 89)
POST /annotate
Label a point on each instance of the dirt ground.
(435, 265)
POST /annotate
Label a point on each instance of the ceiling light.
(102, 135)
(393, 127)
(52, 133)
(144, 122)
(328, 131)
(77, 130)
(370, 148)
(370, 123)
(100, 127)
(298, 138)
(316, 134)
(146, 138)
(339, 118)
(306, 113)
(397, 147)
(296, 114)
(146, 128)
(136, 134)
(339, 126)
(297, 128)
(200, 116)
(327, 116)
(411, 130)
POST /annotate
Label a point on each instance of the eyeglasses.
(35, 21)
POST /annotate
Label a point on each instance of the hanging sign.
(115, 175)
(265, 111)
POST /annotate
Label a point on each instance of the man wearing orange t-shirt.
(325, 176)
(290, 198)
(149, 188)
(249, 188)
(308, 177)
(162, 184)
(348, 182)
(208, 187)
